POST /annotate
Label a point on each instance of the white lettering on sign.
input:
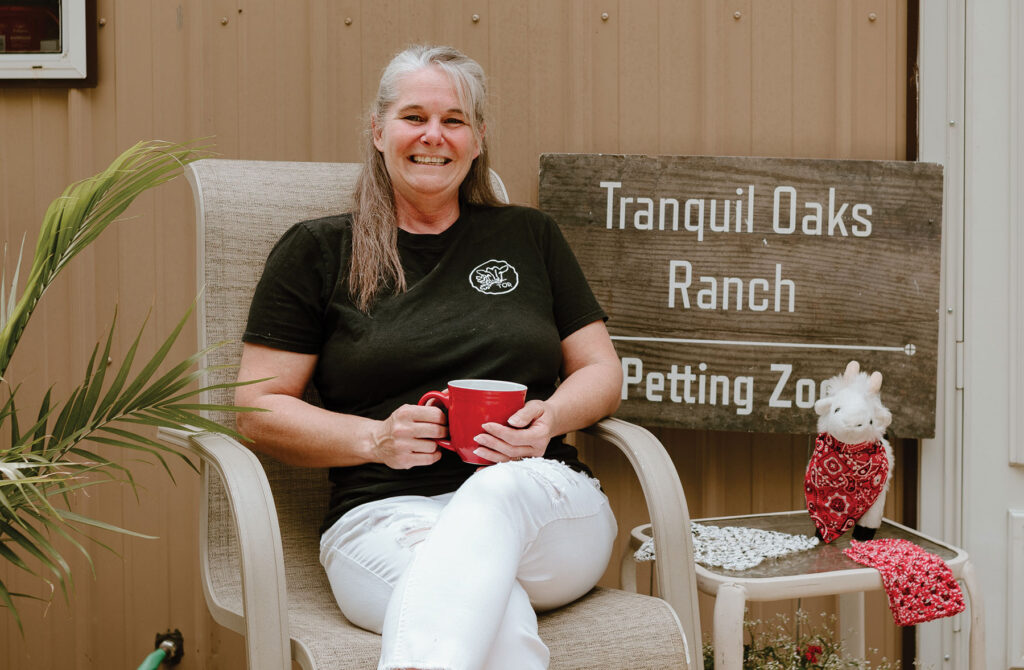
(688, 387)
(725, 215)
(611, 186)
(806, 390)
(686, 384)
(752, 294)
(784, 215)
(699, 214)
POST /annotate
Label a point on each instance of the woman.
(447, 560)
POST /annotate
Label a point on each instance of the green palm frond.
(50, 460)
(7, 296)
(76, 218)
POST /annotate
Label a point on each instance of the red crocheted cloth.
(920, 585)
(842, 482)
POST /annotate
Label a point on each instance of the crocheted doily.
(735, 547)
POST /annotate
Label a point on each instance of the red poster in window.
(28, 29)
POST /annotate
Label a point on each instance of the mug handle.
(440, 398)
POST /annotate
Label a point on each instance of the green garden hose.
(169, 648)
(154, 660)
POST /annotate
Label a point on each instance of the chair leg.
(728, 626)
(976, 653)
(627, 572)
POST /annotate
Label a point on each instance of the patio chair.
(259, 519)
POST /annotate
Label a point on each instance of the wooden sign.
(737, 286)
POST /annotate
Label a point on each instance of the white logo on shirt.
(494, 277)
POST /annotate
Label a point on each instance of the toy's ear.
(875, 382)
(884, 418)
(823, 406)
(852, 368)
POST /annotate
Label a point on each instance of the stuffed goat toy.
(849, 472)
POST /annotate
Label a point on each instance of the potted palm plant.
(46, 458)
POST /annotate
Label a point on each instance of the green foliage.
(48, 459)
(781, 644)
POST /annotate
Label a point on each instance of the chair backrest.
(242, 208)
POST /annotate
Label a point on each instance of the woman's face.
(425, 138)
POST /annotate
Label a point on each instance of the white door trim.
(941, 60)
(1016, 91)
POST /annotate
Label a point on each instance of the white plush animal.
(849, 473)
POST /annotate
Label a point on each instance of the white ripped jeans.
(453, 581)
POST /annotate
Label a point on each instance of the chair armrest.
(670, 517)
(177, 436)
(264, 595)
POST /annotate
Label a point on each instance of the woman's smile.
(430, 160)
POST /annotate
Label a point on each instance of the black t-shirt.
(491, 297)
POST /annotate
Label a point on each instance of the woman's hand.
(406, 438)
(527, 435)
(589, 391)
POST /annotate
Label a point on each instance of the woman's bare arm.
(296, 432)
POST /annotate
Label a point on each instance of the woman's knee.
(361, 594)
(499, 479)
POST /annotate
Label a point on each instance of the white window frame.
(71, 63)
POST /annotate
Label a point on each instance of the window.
(48, 42)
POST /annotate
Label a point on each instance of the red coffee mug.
(470, 404)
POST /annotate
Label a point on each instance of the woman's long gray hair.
(374, 264)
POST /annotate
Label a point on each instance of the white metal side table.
(821, 571)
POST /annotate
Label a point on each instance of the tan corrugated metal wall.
(280, 79)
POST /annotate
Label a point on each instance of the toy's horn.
(852, 369)
(875, 383)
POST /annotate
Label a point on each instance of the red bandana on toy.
(920, 585)
(842, 482)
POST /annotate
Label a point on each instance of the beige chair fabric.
(260, 519)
